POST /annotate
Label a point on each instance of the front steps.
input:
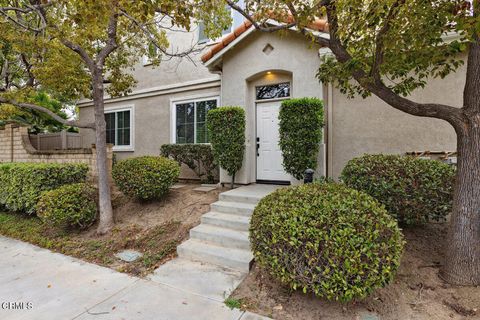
(222, 237)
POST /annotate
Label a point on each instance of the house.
(257, 71)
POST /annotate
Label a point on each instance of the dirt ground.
(416, 293)
(153, 228)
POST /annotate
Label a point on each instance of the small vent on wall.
(268, 49)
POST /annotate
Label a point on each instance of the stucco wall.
(362, 126)
(15, 146)
(151, 122)
(246, 65)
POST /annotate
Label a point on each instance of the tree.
(76, 49)
(390, 48)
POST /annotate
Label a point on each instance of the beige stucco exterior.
(246, 66)
(353, 126)
(360, 126)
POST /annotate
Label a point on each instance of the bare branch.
(255, 23)
(50, 113)
(81, 52)
(151, 38)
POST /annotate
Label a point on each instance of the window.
(190, 120)
(119, 128)
(275, 91)
(202, 37)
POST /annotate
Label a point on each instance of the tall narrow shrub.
(226, 129)
(301, 123)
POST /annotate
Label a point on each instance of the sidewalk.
(37, 284)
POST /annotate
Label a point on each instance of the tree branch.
(379, 42)
(255, 23)
(444, 112)
(152, 39)
(112, 40)
(50, 113)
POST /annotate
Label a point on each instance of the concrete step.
(196, 250)
(228, 238)
(239, 197)
(238, 208)
(226, 220)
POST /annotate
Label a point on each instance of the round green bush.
(326, 239)
(413, 190)
(146, 178)
(70, 206)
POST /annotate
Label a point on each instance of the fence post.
(63, 137)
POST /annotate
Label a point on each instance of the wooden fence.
(56, 141)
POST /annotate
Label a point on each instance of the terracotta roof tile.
(318, 25)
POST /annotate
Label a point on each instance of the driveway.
(38, 284)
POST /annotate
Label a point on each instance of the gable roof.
(320, 25)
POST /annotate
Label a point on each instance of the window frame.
(185, 100)
(208, 41)
(272, 85)
(131, 108)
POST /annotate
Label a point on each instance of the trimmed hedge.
(146, 178)
(21, 184)
(226, 129)
(198, 157)
(326, 239)
(301, 123)
(413, 190)
(70, 206)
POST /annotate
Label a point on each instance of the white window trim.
(208, 41)
(173, 112)
(130, 108)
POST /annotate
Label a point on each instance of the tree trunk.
(462, 259)
(105, 199)
(233, 181)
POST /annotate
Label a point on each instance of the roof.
(318, 25)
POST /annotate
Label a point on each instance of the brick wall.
(15, 146)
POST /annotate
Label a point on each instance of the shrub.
(326, 239)
(413, 190)
(70, 206)
(226, 129)
(301, 123)
(198, 157)
(146, 178)
(23, 183)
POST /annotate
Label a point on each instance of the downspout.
(329, 112)
(11, 143)
(329, 130)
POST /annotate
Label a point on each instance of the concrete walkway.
(39, 284)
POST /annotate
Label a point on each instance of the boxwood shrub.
(198, 157)
(146, 178)
(326, 239)
(301, 123)
(70, 206)
(226, 129)
(23, 183)
(413, 190)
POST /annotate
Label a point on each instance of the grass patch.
(233, 303)
(157, 243)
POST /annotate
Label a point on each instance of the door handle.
(258, 146)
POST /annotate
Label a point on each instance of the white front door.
(269, 155)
